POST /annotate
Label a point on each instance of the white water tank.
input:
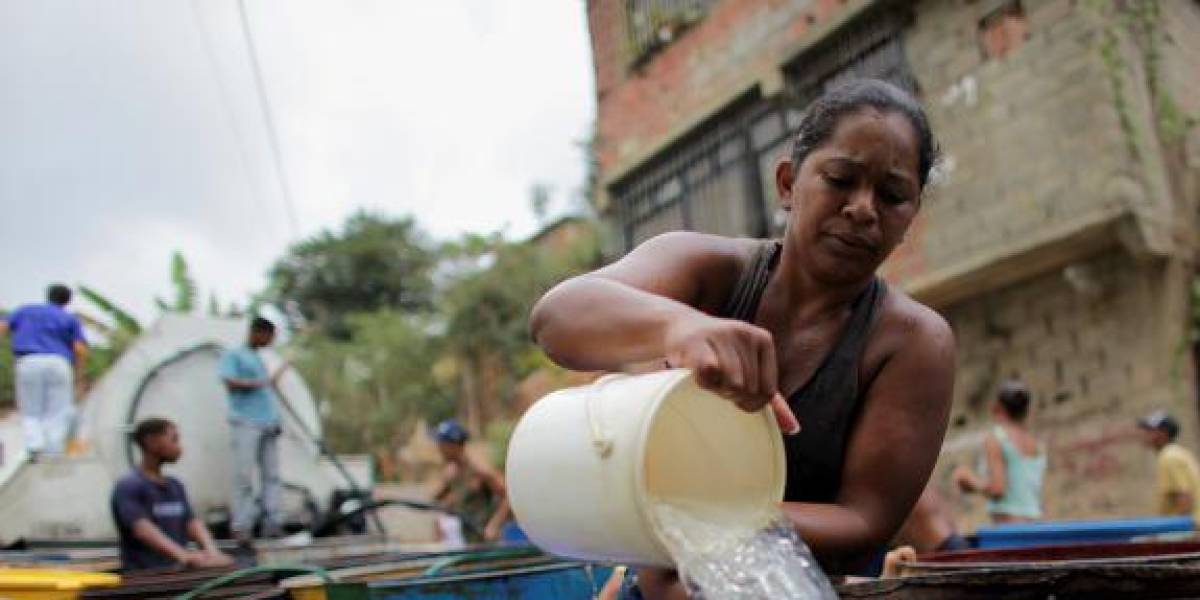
(170, 371)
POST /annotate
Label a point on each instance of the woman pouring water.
(802, 324)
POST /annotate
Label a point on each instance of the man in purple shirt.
(47, 343)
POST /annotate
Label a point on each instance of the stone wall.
(1040, 146)
(1034, 149)
(1049, 242)
(1179, 77)
(1099, 344)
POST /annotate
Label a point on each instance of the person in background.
(1015, 459)
(151, 510)
(50, 350)
(1178, 485)
(470, 489)
(254, 418)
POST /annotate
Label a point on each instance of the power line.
(272, 133)
(226, 102)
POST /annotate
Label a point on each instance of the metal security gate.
(870, 46)
(720, 178)
(706, 182)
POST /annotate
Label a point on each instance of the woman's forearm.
(596, 324)
(149, 533)
(201, 535)
(837, 535)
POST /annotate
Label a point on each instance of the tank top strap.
(828, 406)
(1001, 435)
(1008, 445)
(853, 341)
(747, 293)
(838, 375)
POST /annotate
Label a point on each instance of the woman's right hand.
(731, 358)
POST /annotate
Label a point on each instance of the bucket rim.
(649, 522)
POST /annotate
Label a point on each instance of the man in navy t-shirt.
(154, 519)
(48, 344)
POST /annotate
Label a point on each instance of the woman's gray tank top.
(828, 403)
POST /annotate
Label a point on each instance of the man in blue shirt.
(153, 516)
(254, 417)
(47, 342)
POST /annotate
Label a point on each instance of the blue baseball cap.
(1160, 420)
(451, 432)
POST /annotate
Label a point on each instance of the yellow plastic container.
(50, 584)
(309, 593)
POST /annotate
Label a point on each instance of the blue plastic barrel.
(512, 533)
(1022, 535)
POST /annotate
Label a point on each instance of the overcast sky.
(131, 128)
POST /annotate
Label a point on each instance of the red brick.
(638, 108)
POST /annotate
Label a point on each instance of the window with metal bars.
(707, 181)
(720, 178)
(870, 46)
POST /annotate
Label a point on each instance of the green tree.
(122, 328)
(123, 321)
(373, 263)
(185, 287)
(588, 192)
(119, 335)
(540, 200)
(7, 391)
(486, 313)
(378, 385)
(406, 331)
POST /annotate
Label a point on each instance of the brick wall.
(1096, 354)
(1044, 242)
(1180, 79)
(1181, 58)
(727, 53)
(1043, 187)
(1036, 152)
(1034, 148)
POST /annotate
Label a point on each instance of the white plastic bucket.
(584, 465)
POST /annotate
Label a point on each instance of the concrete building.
(1058, 238)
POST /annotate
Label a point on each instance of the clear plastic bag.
(718, 562)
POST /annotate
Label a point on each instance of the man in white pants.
(48, 344)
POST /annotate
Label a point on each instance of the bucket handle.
(602, 440)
